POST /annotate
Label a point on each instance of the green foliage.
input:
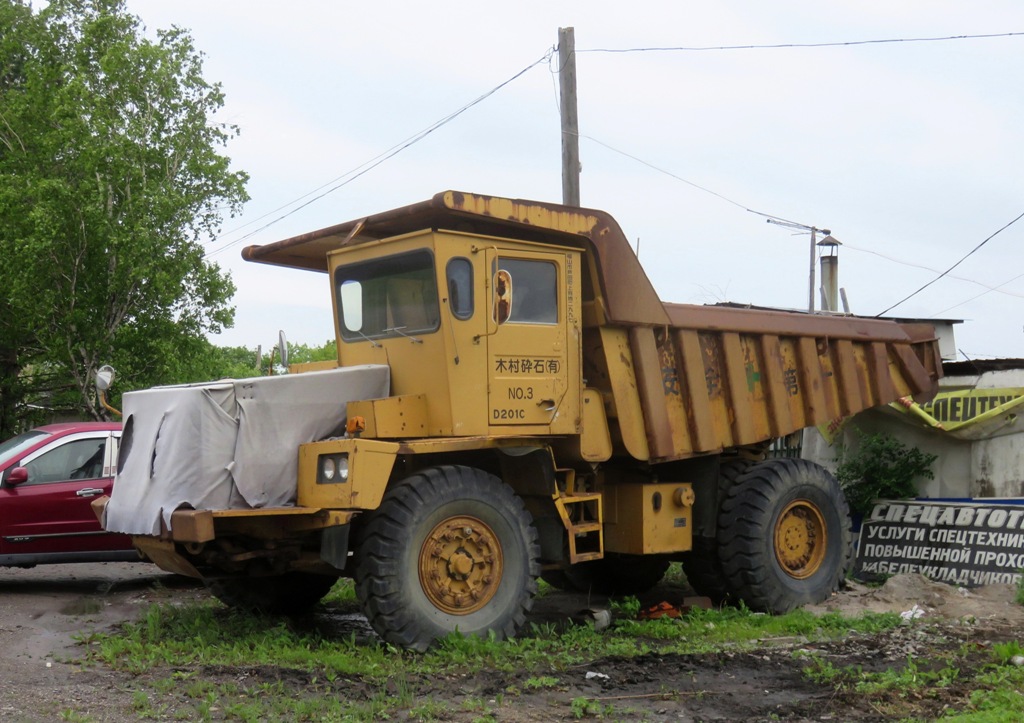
(996, 697)
(540, 682)
(182, 643)
(881, 467)
(824, 672)
(111, 179)
(625, 607)
(343, 594)
(585, 708)
(1020, 588)
(894, 692)
(1006, 652)
(304, 353)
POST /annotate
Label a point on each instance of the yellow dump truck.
(511, 400)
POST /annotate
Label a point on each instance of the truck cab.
(460, 320)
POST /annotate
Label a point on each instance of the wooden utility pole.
(810, 284)
(570, 121)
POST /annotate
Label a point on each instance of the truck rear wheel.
(611, 575)
(450, 548)
(287, 594)
(702, 565)
(784, 535)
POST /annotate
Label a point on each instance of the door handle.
(89, 492)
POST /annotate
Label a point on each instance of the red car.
(48, 478)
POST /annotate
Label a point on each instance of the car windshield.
(16, 445)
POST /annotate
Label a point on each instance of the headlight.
(333, 468)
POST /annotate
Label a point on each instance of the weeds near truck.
(990, 693)
(1006, 652)
(316, 677)
(881, 467)
(205, 661)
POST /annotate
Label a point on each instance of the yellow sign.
(969, 413)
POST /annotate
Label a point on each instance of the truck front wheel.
(450, 548)
(784, 535)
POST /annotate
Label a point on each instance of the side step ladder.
(584, 521)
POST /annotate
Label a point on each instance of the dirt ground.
(44, 609)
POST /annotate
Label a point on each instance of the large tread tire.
(702, 565)
(784, 535)
(412, 594)
(291, 593)
(611, 575)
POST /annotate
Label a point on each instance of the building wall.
(980, 468)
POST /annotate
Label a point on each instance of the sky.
(909, 152)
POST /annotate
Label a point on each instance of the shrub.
(881, 467)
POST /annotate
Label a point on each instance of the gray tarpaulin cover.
(231, 444)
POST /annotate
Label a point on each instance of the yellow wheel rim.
(801, 539)
(460, 565)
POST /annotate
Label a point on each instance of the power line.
(962, 259)
(368, 166)
(785, 222)
(771, 217)
(778, 46)
(670, 174)
(913, 265)
(978, 296)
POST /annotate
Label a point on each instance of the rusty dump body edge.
(678, 380)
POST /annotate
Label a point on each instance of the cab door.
(530, 352)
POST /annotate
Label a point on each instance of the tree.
(111, 176)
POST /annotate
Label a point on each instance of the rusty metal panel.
(812, 381)
(741, 408)
(707, 390)
(679, 424)
(699, 419)
(714, 376)
(845, 369)
(626, 408)
(878, 370)
(652, 392)
(773, 365)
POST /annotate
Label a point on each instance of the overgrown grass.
(343, 678)
(204, 662)
(209, 634)
(995, 687)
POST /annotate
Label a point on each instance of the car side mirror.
(17, 476)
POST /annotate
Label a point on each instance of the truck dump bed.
(677, 380)
(721, 377)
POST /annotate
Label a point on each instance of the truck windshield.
(392, 296)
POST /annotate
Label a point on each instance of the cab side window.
(460, 287)
(80, 459)
(534, 291)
